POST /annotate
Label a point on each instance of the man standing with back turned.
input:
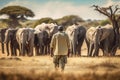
(60, 46)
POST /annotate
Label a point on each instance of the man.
(60, 45)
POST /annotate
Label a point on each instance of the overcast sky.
(59, 8)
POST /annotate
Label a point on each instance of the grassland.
(77, 68)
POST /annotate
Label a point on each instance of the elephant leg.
(96, 49)
(80, 45)
(7, 47)
(2, 46)
(106, 46)
(113, 51)
(15, 51)
(37, 50)
(103, 51)
(96, 52)
(74, 48)
(71, 49)
(27, 50)
(18, 50)
(11, 48)
(31, 48)
(23, 50)
(45, 50)
(48, 49)
(79, 51)
(88, 45)
(91, 49)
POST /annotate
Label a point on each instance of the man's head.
(60, 28)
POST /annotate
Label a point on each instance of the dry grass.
(77, 68)
(42, 68)
(60, 76)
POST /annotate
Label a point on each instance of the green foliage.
(28, 23)
(65, 21)
(90, 23)
(16, 11)
(13, 12)
(69, 20)
(4, 23)
(104, 22)
(44, 20)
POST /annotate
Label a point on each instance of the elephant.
(2, 37)
(25, 38)
(10, 37)
(100, 37)
(76, 35)
(41, 42)
(50, 29)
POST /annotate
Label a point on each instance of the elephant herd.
(24, 41)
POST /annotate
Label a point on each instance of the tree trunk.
(116, 32)
(13, 23)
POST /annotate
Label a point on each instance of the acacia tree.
(15, 13)
(112, 12)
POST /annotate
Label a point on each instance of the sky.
(59, 8)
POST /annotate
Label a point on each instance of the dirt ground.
(75, 65)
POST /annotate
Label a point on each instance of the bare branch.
(102, 10)
(111, 11)
(116, 9)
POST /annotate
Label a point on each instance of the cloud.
(4, 17)
(58, 9)
(111, 2)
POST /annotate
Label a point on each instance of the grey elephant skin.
(25, 38)
(76, 35)
(41, 42)
(50, 29)
(10, 37)
(2, 37)
(100, 37)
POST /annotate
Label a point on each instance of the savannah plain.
(77, 68)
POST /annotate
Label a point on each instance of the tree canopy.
(69, 20)
(44, 20)
(15, 13)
